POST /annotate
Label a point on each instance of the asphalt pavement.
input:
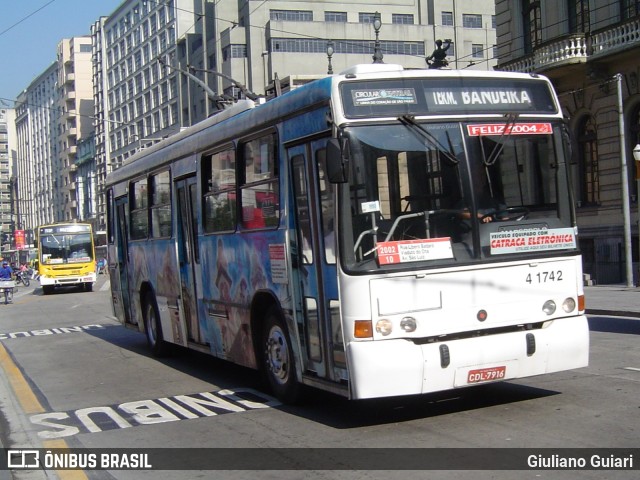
(615, 300)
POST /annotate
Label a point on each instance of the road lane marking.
(633, 369)
(64, 474)
(27, 398)
(57, 425)
(31, 405)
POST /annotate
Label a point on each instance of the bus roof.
(246, 115)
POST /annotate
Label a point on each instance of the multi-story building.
(86, 192)
(136, 98)
(162, 66)
(7, 158)
(590, 52)
(36, 146)
(75, 121)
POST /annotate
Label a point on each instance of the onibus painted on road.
(375, 233)
(66, 256)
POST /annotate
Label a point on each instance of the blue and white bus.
(374, 233)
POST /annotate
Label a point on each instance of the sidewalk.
(618, 300)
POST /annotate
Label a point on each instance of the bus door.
(316, 281)
(120, 288)
(188, 254)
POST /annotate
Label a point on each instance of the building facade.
(36, 146)
(75, 121)
(590, 51)
(163, 66)
(7, 160)
(150, 69)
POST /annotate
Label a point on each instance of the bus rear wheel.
(279, 363)
(152, 327)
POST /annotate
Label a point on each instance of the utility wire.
(25, 18)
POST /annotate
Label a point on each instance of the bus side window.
(139, 218)
(219, 190)
(327, 207)
(160, 204)
(260, 194)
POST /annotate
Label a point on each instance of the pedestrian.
(6, 275)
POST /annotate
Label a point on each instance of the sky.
(29, 34)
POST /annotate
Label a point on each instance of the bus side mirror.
(338, 160)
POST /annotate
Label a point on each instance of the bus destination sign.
(383, 96)
(79, 228)
(451, 98)
(447, 96)
(488, 129)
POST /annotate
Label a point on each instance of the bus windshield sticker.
(278, 262)
(488, 129)
(404, 251)
(384, 96)
(369, 207)
(534, 240)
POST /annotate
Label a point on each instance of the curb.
(612, 313)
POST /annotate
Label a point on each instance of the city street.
(73, 377)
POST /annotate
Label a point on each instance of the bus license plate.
(486, 374)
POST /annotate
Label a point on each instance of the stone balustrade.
(577, 48)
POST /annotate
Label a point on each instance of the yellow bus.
(66, 256)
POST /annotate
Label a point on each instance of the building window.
(471, 20)
(630, 9)
(578, 16)
(588, 171)
(402, 19)
(477, 50)
(447, 19)
(532, 25)
(339, 17)
(234, 51)
(291, 15)
(366, 17)
(318, 45)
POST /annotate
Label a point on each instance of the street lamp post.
(329, 55)
(377, 23)
(636, 157)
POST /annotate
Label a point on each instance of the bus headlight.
(549, 307)
(569, 305)
(408, 324)
(384, 326)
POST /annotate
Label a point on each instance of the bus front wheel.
(279, 363)
(153, 328)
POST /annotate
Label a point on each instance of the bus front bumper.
(70, 280)
(401, 367)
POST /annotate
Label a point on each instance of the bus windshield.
(456, 192)
(60, 248)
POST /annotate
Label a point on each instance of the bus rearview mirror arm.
(338, 160)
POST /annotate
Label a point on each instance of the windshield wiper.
(410, 121)
(499, 146)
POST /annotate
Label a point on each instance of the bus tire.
(88, 287)
(279, 363)
(47, 289)
(152, 327)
